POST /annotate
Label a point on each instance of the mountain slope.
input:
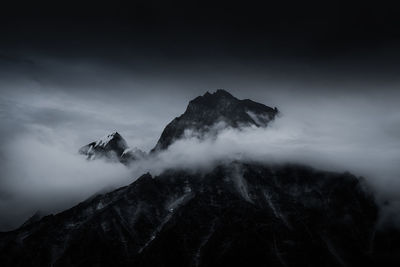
(236, 214)
(206, 111)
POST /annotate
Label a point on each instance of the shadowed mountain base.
(238, 214)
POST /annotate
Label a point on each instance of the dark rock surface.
(205, 111)
(111, 146)
(240, 214)
(34, 218)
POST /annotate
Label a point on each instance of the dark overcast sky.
(73, 72)
(202, 30)
(189, 39)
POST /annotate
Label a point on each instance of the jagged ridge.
(201, 114)
(210, 109)
(112, 147)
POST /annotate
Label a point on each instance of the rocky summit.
(208, 110)
(111, 147)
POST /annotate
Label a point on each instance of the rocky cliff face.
(240, 214)
(222, 108)
(111, 147)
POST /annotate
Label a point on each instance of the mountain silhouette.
(208, 110)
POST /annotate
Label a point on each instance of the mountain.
(239, 214)
(112, 147)
(204, 115)
(208, 110)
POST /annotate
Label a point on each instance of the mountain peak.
(213, 98)
(207, 110)
(110, 146)
(222, 92)
(107, 138)
(219, 93)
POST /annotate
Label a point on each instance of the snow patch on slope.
(102, 142)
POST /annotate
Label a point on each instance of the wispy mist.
(331, 130)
